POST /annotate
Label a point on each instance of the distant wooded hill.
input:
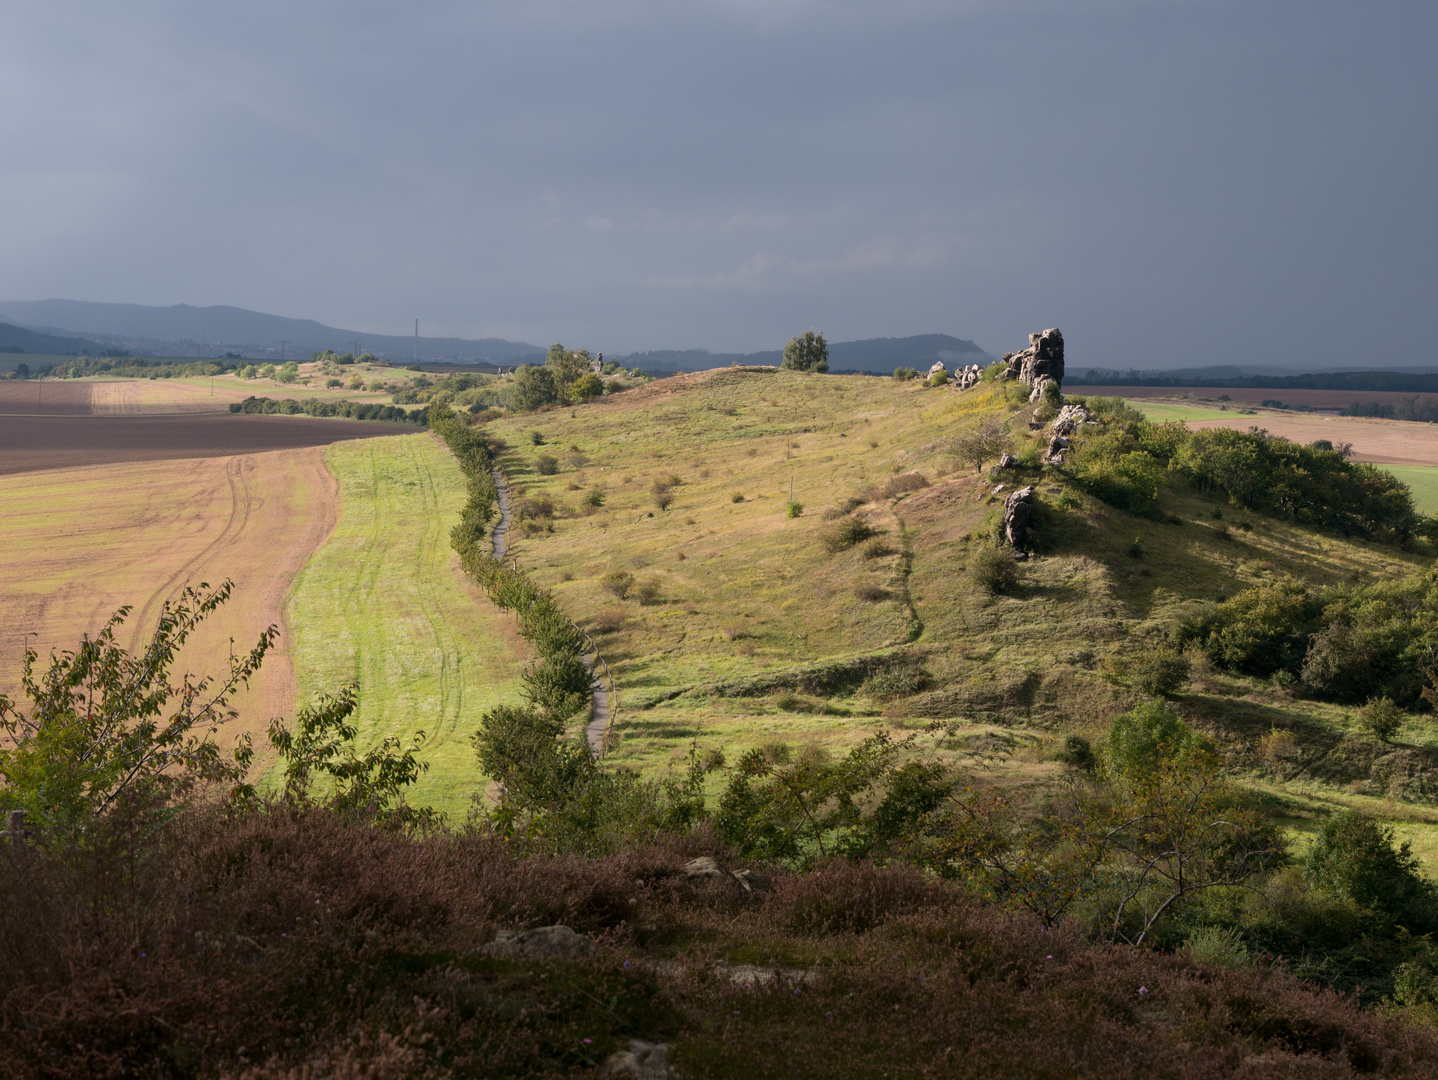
(17, 339)
(184, 330)
(878, 355)
(1407, 382)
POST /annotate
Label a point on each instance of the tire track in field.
(451, 671)
(241, 505)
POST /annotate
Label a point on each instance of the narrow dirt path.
(602, 710)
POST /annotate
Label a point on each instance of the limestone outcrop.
(1070, 419)
(1018, 513)
(967, 377)
(1044, 358)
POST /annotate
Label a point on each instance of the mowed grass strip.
(385, 604)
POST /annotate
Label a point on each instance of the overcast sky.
(1168, 182)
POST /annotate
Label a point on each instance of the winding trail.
(596, 732)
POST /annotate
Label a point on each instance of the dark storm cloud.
(1171, 183)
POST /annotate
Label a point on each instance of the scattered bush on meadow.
(608, 620)
(737, 497)
(993, 570)
(546, 465)
(617, 582)
(871, 593)
(1381, 718)
(847, 533)
(647, 591)
(793, 510)
(843, 509)
(1161, 672)
(876, 548)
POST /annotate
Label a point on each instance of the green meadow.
(383, 604)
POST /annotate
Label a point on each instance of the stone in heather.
(544, 942)
(642, 1061)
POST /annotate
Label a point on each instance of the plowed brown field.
(1315, 399)
(77, 544)
(30, 442)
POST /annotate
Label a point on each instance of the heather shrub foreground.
(300, 942)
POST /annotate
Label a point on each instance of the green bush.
(1141, 740)
(1161, 672)
(546, 464)
(618, 582)
(737, 497)
(1354, 858)
(1217, 946)
(794, 510)
(993, 570)
(647, 591)
(845, 534)
(587, 386)
(939, 378)
(904, 374)
(1077, 753)
(1381, 718)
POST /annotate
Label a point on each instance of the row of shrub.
(1345, 643)
(315, 407)
(558, 686)
(1126, 459)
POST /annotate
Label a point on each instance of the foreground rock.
(543, 943)
(1042, 360)
(707, 868)
(642, 1061)
(1018, 512)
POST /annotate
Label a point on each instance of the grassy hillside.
(753, 632)
(383, 604)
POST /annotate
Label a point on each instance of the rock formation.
(967, 377)
(1018, 511)
(1057, 445)
(1070, 419)
(938, 366)
(1043, 358)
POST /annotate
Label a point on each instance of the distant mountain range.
(183, 330)
(79, 326)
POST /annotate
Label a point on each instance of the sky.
(1170, 183)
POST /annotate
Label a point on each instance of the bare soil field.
(129, 397)
(1384, 442)
(1317, 399)
(78, 544)
(30, 443)
(45, 398)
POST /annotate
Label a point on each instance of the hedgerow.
(315, 407)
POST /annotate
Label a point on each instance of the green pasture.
(1423, 480)
(384, 604)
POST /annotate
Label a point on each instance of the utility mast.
(416, 339)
